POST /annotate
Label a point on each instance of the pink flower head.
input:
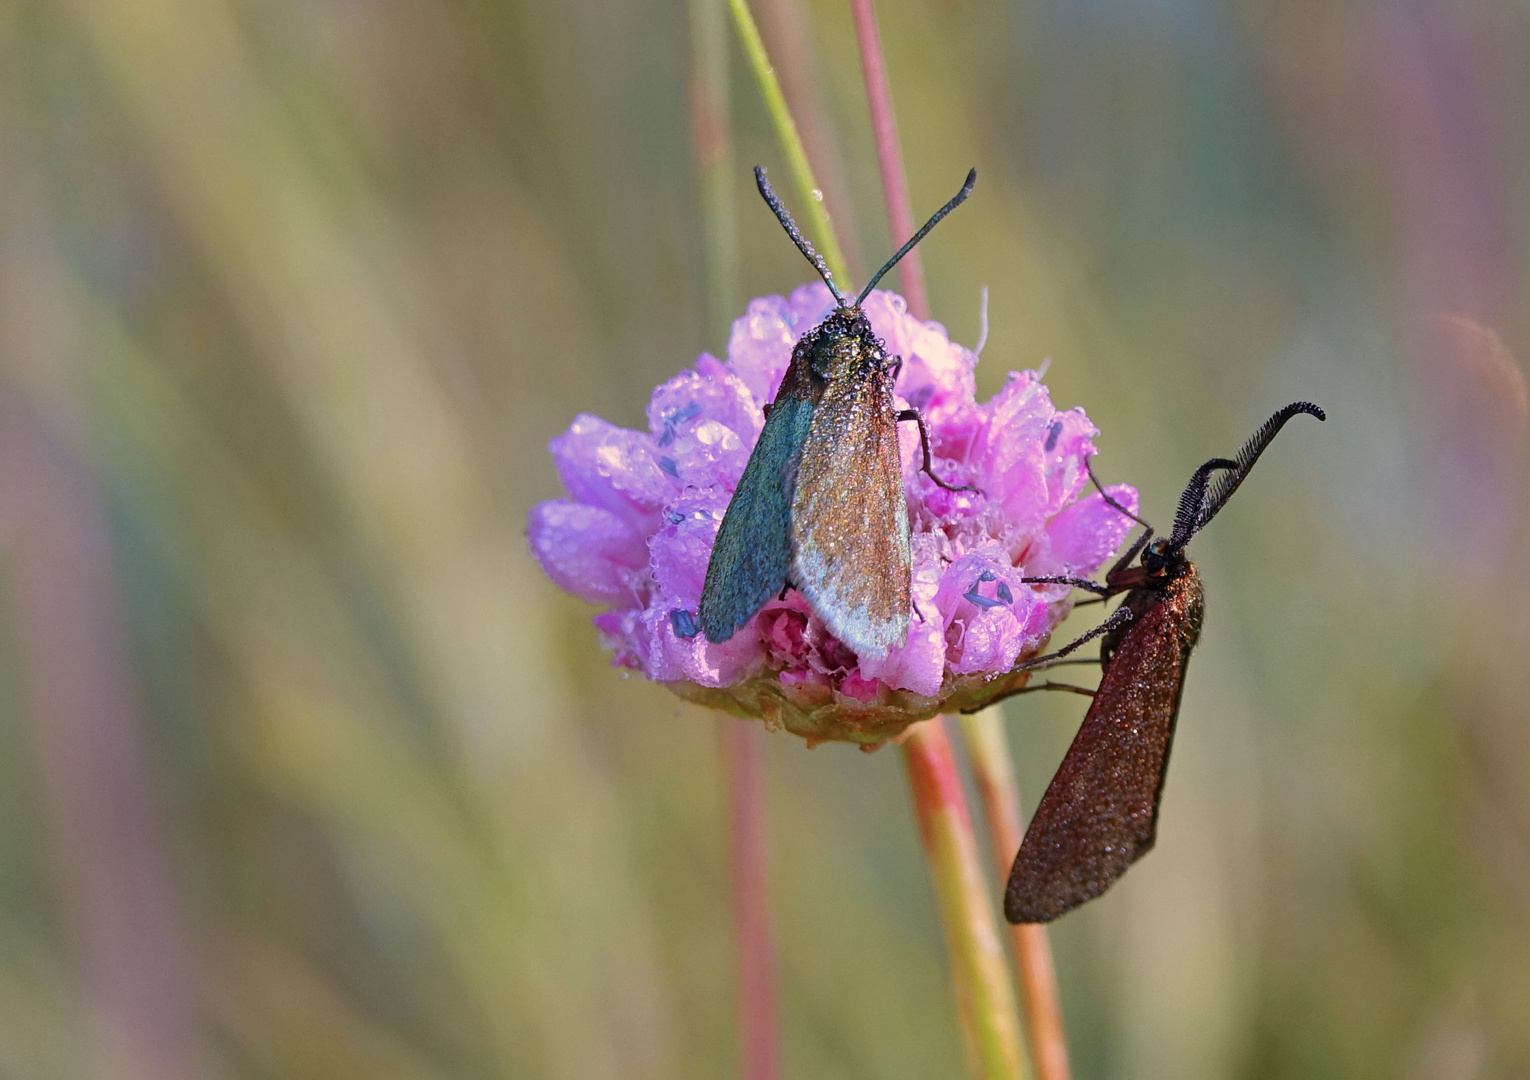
(636, 532)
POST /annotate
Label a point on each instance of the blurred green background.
(306, 771)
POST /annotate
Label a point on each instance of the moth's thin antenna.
(956, 200)
(1262, 438)
(796, 234)
(1193, 500)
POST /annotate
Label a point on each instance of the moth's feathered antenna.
(796, 234)
(956, 200)
(1226, 485)
(1193, 500)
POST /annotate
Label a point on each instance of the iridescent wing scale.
(850, 546)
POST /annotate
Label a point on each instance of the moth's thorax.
(843, 344)
(1177, 586)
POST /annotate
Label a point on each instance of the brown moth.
(1100, 812)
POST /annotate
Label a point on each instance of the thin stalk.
(716, 170)
(753, 942)
(983, 989)
(743, 760)
(784, 25)
(988, 748)
(884, 128)
(116, 877)
(984, 994)
(813, 212)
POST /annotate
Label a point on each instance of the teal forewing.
(752, 556)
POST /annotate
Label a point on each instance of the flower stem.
(989, 750)
(784, 25)
(813, 210)
(884, 128)
(712, 144)
(743, 764)
(984, 994)
(754, 951)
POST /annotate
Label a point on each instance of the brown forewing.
(850, 548)
(1100, 813)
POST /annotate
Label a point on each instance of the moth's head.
(1162, 559)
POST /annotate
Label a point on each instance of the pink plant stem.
(115, 871)
(984, 994)
(989, 751)
(884, 128)
(755, 954)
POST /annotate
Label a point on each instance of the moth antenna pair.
(807, 249)
(1201, 500)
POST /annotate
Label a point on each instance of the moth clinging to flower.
(820, 507)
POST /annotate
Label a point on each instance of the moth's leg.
(1111, 502)
(924, 440)
(1048, 685)
(769, 405)
(1137, 545)
(1077, 582)
(1120, 617)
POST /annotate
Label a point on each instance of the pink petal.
(1087, 533)
(919, 664)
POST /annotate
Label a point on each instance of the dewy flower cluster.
(643, 510)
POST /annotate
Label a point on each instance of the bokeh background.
(305, 770)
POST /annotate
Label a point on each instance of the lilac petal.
(672, 658)
(622, 633)
(1018, 413)
(760, 346)
(613, 468)
(986, 634)
(936, 371)
(1028, 481)
(1071, 434)
(711, 392)
(680, 550)
(809, 304)
(1087, 533)
(1011, 464)
(588, 551)
(706, 455)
